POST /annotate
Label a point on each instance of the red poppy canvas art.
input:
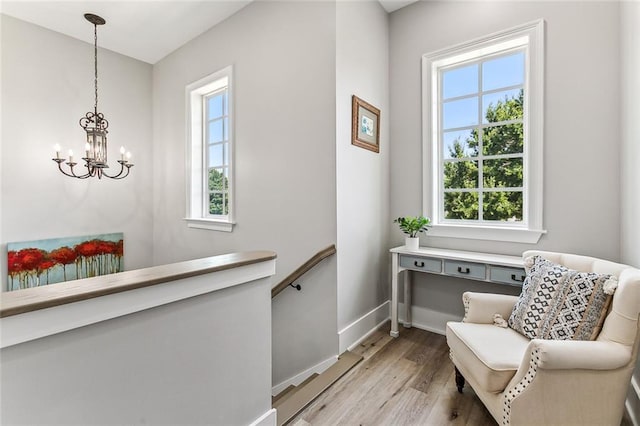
(44, 262)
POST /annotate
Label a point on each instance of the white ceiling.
(393, 5)
(147, 30)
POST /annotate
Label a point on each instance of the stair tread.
(287, 408)
(290, 391)
(282, 394)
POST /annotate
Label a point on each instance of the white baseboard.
(355, 332)
(267, 419)
(301, 377)
(427, 319)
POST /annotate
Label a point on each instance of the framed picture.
(365, 125)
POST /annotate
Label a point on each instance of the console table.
(487, 267)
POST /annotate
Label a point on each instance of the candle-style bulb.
(56, 147)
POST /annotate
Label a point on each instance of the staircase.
(294, 399)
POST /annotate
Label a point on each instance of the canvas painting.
(44, 262)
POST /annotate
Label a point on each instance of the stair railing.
(303, 269)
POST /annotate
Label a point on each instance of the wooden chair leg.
(459, 380)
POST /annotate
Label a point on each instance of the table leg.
(407, 299)
(394, 295)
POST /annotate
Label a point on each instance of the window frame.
(529, 38)
(197, 177)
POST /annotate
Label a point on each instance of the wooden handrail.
(293, 277)
(33, 299)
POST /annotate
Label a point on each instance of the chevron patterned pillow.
(558, 303)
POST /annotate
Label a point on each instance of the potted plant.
(412, 226)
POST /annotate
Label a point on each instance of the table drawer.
(512, 276)
(421, 264)
(465, 269)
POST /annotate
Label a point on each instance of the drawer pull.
(463, 271)
(418, 264)
(514, 278)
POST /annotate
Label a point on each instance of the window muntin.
(482, 138)
(210, 152)
(215, 106)
(462, 120)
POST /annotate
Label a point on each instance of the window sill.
(210, 224)
(489, 233)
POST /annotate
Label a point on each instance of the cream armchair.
(549, 382)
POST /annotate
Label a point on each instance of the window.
(210, 147)
(482, 166)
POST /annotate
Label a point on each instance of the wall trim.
(427, 319)
(301, 377)
(267, 419)
(355, 332)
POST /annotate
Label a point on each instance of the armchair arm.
(563, 382)
(579, 354)
(480, 308)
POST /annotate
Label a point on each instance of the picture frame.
(365, 125)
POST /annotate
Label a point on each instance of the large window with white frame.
(482, 122)
(210, 147)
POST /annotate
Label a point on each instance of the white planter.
(412, 243)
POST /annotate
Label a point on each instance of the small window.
(210, 147)
(483, 137)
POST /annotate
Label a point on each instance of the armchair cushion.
(490, 354)
(559, 303)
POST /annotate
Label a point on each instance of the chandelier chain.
(95, 57)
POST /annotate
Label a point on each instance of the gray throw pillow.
(558, 303)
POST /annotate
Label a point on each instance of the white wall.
(47, 85)
(283, 55)
(630, 173)
(362, 176)
(582, 132)
(194, 361)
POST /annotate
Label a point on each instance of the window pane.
(502, 106)
(218, 179)
(503, 71)
(460, 144)
(216, 157)
(502, 173)
(460, 81)
(460, 113)
(502, 206)
(460, 174)
(215, 131)
(215, 106)
(219, 203)
(461, 205)
(507, 139)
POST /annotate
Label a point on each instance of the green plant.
(412, 226)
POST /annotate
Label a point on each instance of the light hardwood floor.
(403, 381)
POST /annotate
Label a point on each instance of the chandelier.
(95, 125)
